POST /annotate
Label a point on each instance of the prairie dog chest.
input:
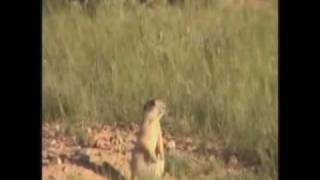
(150, 133)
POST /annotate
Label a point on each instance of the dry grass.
(213, 62)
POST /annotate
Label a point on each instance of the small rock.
(53, 142)
(59, 162)
(212, 158)
(188, 140)
(57, 127)
(89, 130)
(51, 155)
(171, 145)
(233, 160)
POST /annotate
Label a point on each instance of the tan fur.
(148, 154)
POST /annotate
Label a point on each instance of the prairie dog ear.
(149, 104)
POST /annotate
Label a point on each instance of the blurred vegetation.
(213, 61)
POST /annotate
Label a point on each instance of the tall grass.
(215, 64)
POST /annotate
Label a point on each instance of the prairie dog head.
(154, 109)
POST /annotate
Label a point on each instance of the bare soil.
(105, 153)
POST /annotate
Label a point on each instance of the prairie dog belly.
(144, 169)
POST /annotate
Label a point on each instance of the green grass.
(178, 166)
(183, 167)
(215, 66)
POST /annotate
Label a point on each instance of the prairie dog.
(148, 153)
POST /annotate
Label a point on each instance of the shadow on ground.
(106, 169)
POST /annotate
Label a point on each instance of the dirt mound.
(105, 153)
(68, 172)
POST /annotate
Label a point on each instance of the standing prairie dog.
(148, 154)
